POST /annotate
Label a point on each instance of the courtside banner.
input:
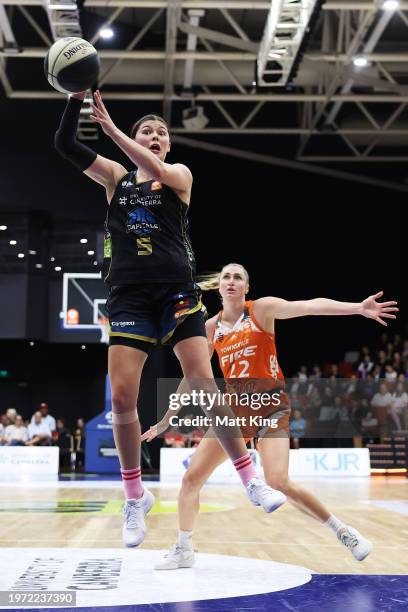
(28, 461)
(316, 462)
(304, 462)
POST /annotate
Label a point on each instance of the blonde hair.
(211, 281)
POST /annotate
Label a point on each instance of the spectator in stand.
(390, 351)
(317, 372)
(297, 428)
(358, 411)
(405, 349)
(317, 377)
(335, 371)
(294, 393)
(377, 374)
(79, 432)
(313, 409)
(365, 366)
(46, 417)
(39, 432)
(62, 430)
(334, 383)
(369, 387)
(341, 409)
(397, 363)
(302, 377)
(327, 410)
(399, 406)
(390, 374)
(4, 422)
(381, 362)
(16, 434)
(345, 427)
(312, 390)
(64, 443)
(381, 403)
(79, 442)
(351, 388)
(369, 425)
(365, 351)
(302, 374)
(11, 415)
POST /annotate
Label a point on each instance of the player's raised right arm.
(100, 169)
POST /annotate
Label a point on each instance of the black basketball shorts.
(141, 315)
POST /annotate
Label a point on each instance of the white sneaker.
(261, 495)
(355, 542)
(135, 510)
(179, 556)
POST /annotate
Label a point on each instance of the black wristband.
(65, 139)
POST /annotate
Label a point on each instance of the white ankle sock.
(334, 524)
(185, 539)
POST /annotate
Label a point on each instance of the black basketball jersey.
(146, 235)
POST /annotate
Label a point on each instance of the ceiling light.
(38, 265)
(91, 252)
(57, 268)
(52, 258)
(32, 252)
(13, 242)
(20, 255)
(390, 5)
(3, 228)
(83, 240)
(63, 7)
(360, 62)
(106, 33)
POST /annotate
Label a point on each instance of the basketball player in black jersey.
(149, 265)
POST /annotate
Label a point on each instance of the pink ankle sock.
(132, 482)
(245, 469)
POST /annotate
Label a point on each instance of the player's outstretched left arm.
(371, 308)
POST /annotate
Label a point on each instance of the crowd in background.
(41, 430)
(365, 395)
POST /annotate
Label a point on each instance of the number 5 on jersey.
(144, 246)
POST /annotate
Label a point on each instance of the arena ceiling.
(196, 62)
(198, 59)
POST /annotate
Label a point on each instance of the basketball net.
(104, 327)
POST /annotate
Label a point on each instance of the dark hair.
(139, 122)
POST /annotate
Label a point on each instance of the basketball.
(71, 65)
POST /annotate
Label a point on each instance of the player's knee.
(198, 374)
(122, 401)
(191, 481)
(279, 482)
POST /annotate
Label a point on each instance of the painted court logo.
(112, 577)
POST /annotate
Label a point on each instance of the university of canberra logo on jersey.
(141, 222)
